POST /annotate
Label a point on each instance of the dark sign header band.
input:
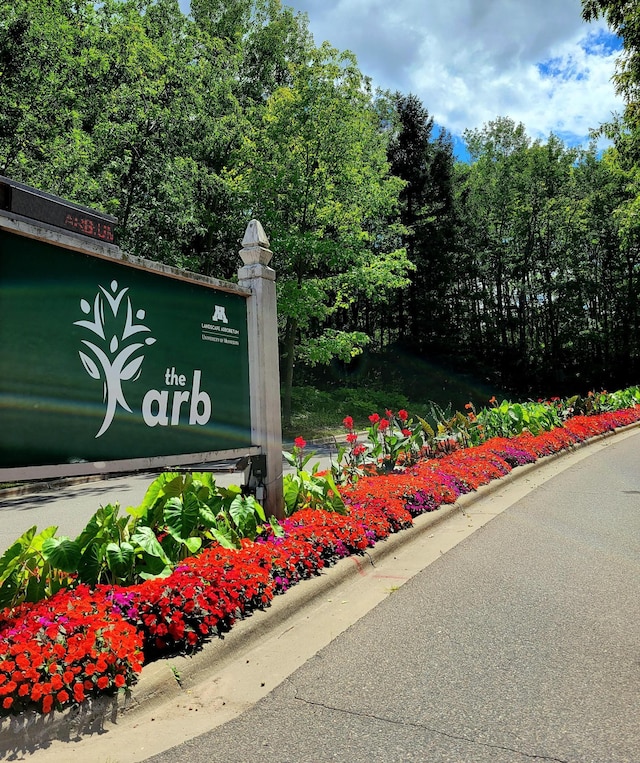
(28, 202)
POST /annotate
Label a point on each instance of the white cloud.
(470, 61)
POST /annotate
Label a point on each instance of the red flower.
(352, 437)
(388, 414)
(101, 665)
(403, 415)
(406, 432)
(359, 450)
(384, 424)
(300, 442)
(374, 418)
(7, 702)
(348, 422)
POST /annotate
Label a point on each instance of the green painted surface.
(83, 339)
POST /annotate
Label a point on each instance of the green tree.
(530, 212)
(623, 17)
(425, 162)
(106, 106)
(318, 177)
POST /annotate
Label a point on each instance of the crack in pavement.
(422, 726)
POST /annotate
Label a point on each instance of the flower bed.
(85, 642)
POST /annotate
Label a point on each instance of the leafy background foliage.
(519, 270)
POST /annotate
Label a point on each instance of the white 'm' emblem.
(220, 314)
(114, 359)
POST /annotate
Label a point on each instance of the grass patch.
(317, 413)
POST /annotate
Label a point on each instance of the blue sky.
(470, 61)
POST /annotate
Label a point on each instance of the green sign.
(103, 361)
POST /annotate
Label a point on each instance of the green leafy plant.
(26, 574)
(508, 419)
(306, 489)
(190, 510)
(179, 515)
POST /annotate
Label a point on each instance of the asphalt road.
(520, 644)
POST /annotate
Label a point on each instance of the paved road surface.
(521, 644)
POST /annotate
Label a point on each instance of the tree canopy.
(521, 265)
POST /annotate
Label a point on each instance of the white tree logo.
(114, 361)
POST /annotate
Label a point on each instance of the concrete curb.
(169, 677)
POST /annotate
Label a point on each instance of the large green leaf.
(38, 586)
(90, 564)
(62, 553)
(120, 559)
(243, 513)
(336, 502)
(146, 539)
(204, 485)
(227, 539)
(103, 524)
(193, 544)
(292, 485)
(11, 556)
(181, 516)
(206, 516)
(163, 573)
(9, 588)
(166, 485)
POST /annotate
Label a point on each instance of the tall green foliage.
(425, 162)
(525, 261)
(319, 180)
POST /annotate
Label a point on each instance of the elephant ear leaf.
(62, 553)
(145, 538)
(182, 516)
(120, 558)
(90, 564)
